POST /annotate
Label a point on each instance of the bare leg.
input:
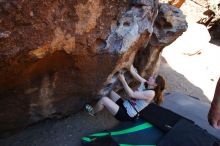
(110, 105)
(114, 96)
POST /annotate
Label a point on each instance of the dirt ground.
(191, 65)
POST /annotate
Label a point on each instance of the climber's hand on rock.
(121, 77)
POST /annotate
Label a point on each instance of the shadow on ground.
(68, 131)
(64, 132)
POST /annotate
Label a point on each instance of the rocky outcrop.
(176, 3)
(57, 55)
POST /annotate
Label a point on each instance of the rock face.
(57, 55)
(176, 3)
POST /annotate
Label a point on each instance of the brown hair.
(161, 83)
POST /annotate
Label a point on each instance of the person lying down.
(150, 90)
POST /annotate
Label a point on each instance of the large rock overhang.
(57, 55)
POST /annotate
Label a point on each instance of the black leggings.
(122, 114)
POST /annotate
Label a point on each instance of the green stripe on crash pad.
(86, 139)
(126, 131)
(129, 130)
(101, 134)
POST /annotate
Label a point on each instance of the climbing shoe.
(89, 109)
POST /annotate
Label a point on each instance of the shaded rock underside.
(57, 55)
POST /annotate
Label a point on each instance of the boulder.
(176, 3)
(57, 55)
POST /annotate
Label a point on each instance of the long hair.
(161, 84)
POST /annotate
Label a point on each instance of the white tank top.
(139, 104)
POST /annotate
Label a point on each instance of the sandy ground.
(188, 72)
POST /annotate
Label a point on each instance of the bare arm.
(216, 98)
(214, 111)
(136, 75)
(147, 95)
(128, 90)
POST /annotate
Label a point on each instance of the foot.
(89, 109)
